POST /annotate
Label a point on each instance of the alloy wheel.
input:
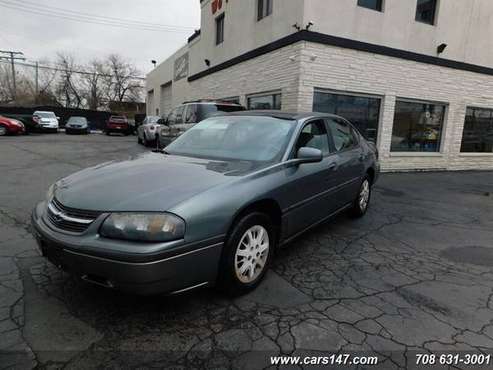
(3, 131)
(364, 195)
(251, 254)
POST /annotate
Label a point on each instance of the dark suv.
(189, 114)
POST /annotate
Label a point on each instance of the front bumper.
(192, 266)
(16, 130)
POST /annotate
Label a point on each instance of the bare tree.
(124, 85)
(68, 90)
(97, 84)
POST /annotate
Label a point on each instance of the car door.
(349, 160)
(177, 128)
(310, 184)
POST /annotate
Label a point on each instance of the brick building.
(415, 76)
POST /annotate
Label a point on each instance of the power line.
(13, 56)
(56, 69)
(85, 19)
(92, 15)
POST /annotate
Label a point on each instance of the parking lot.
(415, 275)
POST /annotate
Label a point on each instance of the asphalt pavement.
(413, 276)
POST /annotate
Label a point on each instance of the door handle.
(333, 166)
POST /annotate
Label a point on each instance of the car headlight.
(146, 227)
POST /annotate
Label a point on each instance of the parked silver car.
(46, 120)
(212, 208)
(147, 132)
(77, 125)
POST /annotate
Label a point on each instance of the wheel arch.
(268, 206)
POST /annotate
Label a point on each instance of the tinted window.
(426, 10)
(220, 29)
(478, 131)
(314, 135)
(342, 135)
(262, 139)
(179, 115)
(272, 101)
(172, 116)
(191, 113)
(371, 4)
(417, 127)
(363, 112)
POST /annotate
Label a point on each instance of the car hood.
(152, 182)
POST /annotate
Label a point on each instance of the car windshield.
(262, 139)
(46, 114)
(77, 120)
(152, 120)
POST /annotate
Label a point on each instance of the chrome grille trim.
(69, 219)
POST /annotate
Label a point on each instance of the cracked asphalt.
(414, 276)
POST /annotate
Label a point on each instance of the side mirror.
(58, 118)
(309, 155)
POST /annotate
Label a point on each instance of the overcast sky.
(42, 36)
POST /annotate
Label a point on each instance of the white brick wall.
(298, 69)
(348, 70)
(277, 71)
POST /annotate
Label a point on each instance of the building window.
(426, 11)
(272, 101)
(478, 131)
(264, 8)
(417, 127)
(371, 4)
(362, 111)
(220, 29)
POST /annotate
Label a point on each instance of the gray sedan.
(215, 204)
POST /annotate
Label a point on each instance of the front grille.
(70, 219)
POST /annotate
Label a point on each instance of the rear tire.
(247, 254)
(362, 201)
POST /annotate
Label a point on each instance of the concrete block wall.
(276, 71)
(347, 71)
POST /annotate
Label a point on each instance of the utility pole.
(13, 56)
(37, 81)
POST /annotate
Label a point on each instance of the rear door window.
(179, 115)
(342, 135)
(191, 113)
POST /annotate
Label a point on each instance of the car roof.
(281, 114)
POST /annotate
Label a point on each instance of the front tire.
(362, 201)
(247, 254)
(3, 130)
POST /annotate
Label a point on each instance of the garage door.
(166, 99)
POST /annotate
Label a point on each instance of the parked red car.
(117, 124)
(11, 126)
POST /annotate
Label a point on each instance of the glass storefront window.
(362, 111)
(478, 131)
(417, 127)
(272, 101)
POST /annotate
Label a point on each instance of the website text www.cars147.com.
(335, 359)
